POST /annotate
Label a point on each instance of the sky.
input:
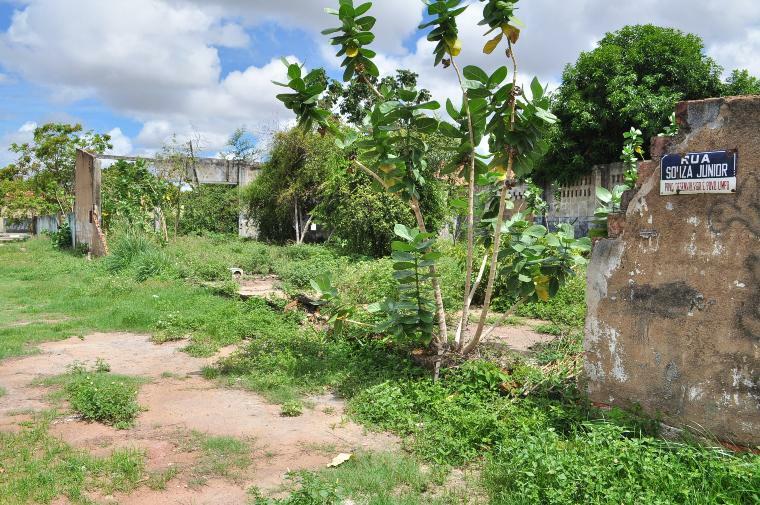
(147, 70)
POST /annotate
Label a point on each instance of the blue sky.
(147, 69)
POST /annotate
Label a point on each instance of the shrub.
(299, 163)
(604, 463)
(127, 243)
(567, 307)
(291, 409)
(361, 219)
(136, 251)
(61, 238)
(103, 397)
(210, 208)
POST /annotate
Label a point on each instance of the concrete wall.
(673, 318)
(577, 202)
(87, 203)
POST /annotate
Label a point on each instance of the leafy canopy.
(634, 76)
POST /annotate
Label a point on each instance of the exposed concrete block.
(615, 224)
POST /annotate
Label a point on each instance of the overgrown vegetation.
(524, 423)
(97, 395)
(37, 467)
(306, 182)
(372, 478)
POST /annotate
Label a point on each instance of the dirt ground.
(264, 287)
(175, 406)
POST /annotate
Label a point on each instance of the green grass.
(220, 457)
(530, 431)
(158, 479)
(40, 282)
(384, 478)
(37, 468)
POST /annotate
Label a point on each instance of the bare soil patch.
(263, 287)
(179, 401)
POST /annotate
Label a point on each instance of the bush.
(61, 238)
(568, 307)
(210, 208)
(310, 171)
(299, 164)
(361, 218)
(103, 397)
(137, 252)
(606, 464)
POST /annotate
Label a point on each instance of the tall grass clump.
(137, 253)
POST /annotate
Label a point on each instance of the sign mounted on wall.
(708, 172)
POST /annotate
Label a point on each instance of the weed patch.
(37, 467)
(100, 396)
(223, 457)
(374, 479)
(604, 463)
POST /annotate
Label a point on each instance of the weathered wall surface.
(87, 209)
(673, 318)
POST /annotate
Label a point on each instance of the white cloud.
(153, 60)
(120, 142)
(27, 129)
(157, 61)
(24, 134)
(396, 19)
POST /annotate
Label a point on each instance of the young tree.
(391, 148)
(131, 193)
(48, 161)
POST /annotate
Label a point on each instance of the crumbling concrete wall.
(673, 320)
(87, 209)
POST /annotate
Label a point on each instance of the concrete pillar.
(87, 203)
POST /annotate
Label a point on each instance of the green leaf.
(402, 231)
(475, 73)
(432, 105)
(386, 107)
(536, 230)
(402, 246)
(362, 9)
(294, 71)
(498, 76)
(536, 89)
(603, 195)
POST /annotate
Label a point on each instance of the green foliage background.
(210, 208)
(634, 77)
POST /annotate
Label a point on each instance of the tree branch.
(500, 218)
(462, 329)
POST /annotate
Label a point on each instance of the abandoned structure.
(673, 321)
(87, 218)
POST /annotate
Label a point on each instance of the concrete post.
(87, 203)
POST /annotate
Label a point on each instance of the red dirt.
(180, 404)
